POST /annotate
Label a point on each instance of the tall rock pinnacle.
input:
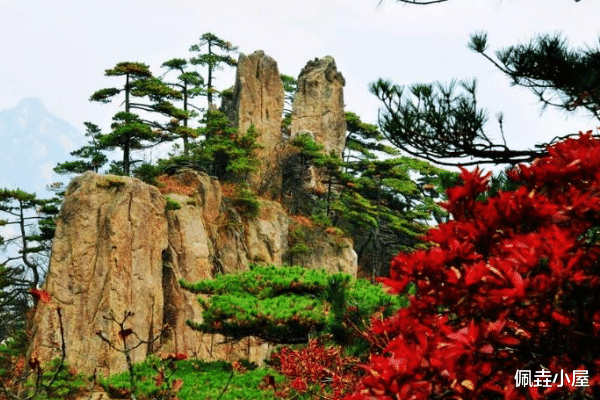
(318, 107)
(258, 100)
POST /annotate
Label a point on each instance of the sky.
(58, 50)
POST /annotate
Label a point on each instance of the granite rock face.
(117, 248)
(318, 107)
(106, 256)
(258, 100)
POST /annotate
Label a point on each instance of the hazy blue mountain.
(32, 142)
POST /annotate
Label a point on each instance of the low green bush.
(53, 385)
(200, 380)
(245, 201)
(147, 173)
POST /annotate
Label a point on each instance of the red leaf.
(561, 318)
(487, 349)
(41, 295)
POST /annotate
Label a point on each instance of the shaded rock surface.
(118, 248)
(335, 254)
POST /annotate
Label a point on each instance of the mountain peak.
(32, 141)
(33, 104)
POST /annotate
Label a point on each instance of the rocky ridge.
(118, 247)
(258, 101)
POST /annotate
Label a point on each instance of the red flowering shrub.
(316, 368)
(511, 284)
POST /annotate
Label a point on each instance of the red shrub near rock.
(507, 303)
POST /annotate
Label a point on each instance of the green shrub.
(321, 219)
(174, 164)
(287, 304)
(116, 168)
(245, 201)
(299, 248)
(67, 384)
(227, 93)
(172, 204)
(9, 353)
(147, 173)
(109, 181)
(201, 380)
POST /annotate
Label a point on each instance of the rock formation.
(106, 255)
(318, 107)
(118, 248)
(258, 100)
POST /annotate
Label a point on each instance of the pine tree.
(387, 201)
(225, 153)
(557, 75)
(26, 253)
(298, 169)
(289, 304)
(211, 59)
(189, 84)
(14, 303)
(290, 85)
(384, 201)
(444, 124)
(92, 158)
(129, 131)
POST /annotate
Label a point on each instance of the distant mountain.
(32, 142)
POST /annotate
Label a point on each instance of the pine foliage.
(288, 304)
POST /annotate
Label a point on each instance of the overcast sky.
(58, 50)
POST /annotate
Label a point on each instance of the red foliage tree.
(510, 284)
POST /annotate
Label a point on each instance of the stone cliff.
(317, 110)
(117, 248)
